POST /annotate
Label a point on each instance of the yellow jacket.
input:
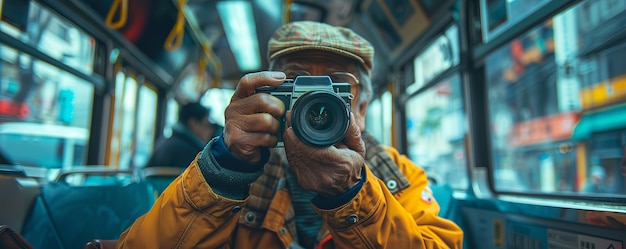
(189, 214)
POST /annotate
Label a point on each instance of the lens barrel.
(320, 118)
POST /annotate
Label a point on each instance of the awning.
(611, 118)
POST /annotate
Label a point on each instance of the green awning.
(611, 118)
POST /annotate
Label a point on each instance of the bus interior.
(516, 109)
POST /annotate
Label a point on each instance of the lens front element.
(318, 116)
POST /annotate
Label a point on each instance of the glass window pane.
(557, 105)
(436, 132)
(42, 109)
(171, 117)
(123, 134)
(114, 146)
(378, 119)
(217, 100)
(56, 37)
(127, 133)
(438, 57)
(146, 125)
(499, 15)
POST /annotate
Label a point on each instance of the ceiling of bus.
(391, 26)
(268, 16)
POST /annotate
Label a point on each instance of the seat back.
(101, 244)
(9, 239)
(160, 177)
(17, 195)
(443, 193)
(67, 216)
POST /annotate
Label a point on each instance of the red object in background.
(517, 51)
(137, 19)
(544, 129)
(12, 109)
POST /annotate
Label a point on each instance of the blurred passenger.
(597, 181)
(239, 193)
(189, 136)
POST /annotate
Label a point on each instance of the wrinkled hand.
(251, 120)
(328, 171)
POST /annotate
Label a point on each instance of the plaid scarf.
(275, 178)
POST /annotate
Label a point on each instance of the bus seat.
(101, 244)
(7, 170)
(160, 177)
(17, 195)
(9, 239)
(69, 216)
(443, 195)
(96, 176)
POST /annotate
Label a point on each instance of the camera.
(320, 108)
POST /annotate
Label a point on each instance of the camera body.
(320, 108)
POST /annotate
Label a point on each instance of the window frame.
(454, 70)
(479, 51)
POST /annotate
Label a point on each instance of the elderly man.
(239, 193)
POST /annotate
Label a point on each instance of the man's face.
(319, 63)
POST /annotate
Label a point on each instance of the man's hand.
(328, 171)
(251, 120)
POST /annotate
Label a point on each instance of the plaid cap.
(305, 35)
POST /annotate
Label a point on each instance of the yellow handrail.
(201, 75)
(209, 59)
(287, 11)
(175, 38)
(122, 6)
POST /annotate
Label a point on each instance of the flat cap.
(308, 35)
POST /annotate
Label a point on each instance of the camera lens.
(320, 118)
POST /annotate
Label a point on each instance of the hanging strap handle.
(209, 59)
(121, 7)
(287, 11)
(175, 38)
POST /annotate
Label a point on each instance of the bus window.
(171, 117)
(435, 119)
(500, 15)
(379, 117)
(122, 138)
(56, 36)
(557, 104)
(42, 109)
(436, 132)
(146, 121)
(217, 100)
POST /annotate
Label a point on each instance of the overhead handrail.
(287, 11)
(201, 75)
(121, 7)
(175, 38)
(209, 59)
